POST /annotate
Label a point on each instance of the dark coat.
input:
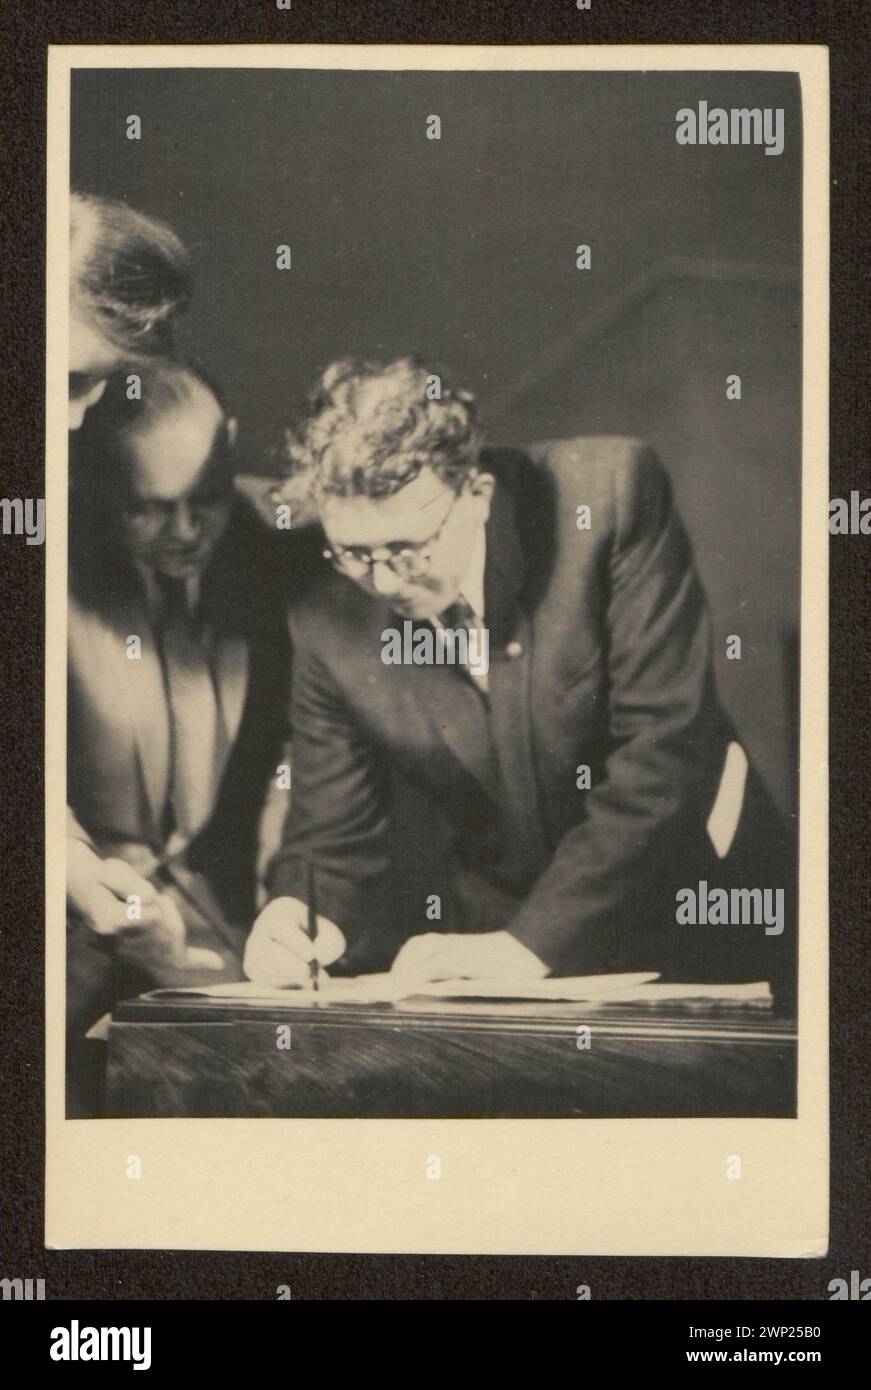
(600, 655)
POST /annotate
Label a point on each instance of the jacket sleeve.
(340, 801)
(663, 721)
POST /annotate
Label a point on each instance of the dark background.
(464, 250)
(175, 1275)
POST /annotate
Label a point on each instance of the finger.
(199, 958)
(291, 938)
(285, 921)
(159, 934)
(327, 947)
(152, 940)
(268, 963)
(125, 882)
(412, 958)
(109, 915)
(106, 914)
(329, 943)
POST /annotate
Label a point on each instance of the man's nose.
(80, 407)
(385, 580)
(183, 526)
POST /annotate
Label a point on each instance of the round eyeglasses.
(408, 560)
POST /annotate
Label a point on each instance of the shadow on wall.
(654, 363)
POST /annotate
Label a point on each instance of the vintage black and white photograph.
(434, 564)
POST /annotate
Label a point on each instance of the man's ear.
(482, 487)
(232, 430)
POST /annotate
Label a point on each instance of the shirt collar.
(152, 592)
(472, 587)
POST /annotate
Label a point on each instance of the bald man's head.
(160, 469)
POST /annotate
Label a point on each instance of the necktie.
(198, 739)
(461, 617)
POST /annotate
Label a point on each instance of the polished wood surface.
(209, 1057)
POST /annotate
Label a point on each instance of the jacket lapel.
(492, 737)
(231, 676)
(229, 614)
(144, 698)
(511, 651)
(459, 713)
(455, 712)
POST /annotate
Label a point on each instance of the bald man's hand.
(120, 905)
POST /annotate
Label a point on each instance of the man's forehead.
(404, 515)
(92, 354)
(176, 453)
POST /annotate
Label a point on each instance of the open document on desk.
(640, 988)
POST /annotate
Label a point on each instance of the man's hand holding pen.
(280, 950)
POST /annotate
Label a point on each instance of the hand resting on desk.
(495, 955)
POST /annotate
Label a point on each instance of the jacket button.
(513, 650)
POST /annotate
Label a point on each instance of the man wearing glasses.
(177, 670)
(583, 780)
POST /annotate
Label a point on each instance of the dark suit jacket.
(600, 654)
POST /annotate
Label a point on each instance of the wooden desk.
(210, 1057)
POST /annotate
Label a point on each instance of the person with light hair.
(584, 778)
(129, 278)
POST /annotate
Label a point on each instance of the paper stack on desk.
(637, 988)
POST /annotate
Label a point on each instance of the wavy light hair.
(371, 429)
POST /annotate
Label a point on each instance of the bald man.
(178, 659)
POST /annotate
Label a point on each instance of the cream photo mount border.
(559, 1187)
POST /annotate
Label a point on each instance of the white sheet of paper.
(757, 992)
(568, 987)
(385, 988)
(359, 989)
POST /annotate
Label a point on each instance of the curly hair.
(372, 427)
